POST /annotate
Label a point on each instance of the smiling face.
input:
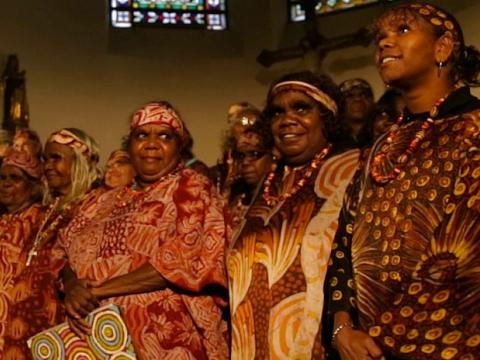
(58, 164)
(15, 188)
(297, 126)
(406, 50)
(155, 152)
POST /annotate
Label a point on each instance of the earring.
(440, 65)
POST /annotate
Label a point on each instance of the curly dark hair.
(321, 82)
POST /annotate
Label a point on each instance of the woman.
(20, 179)
(278, 262)
(414, 249)
(27, 140)
(155, 248)
(241, 116)
(119, 170)
(253, 154)
(71, 158)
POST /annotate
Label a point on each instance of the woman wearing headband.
(405, 273)
(252, 152)
(20, 181)
(155, 248)
(278, 261)
(70, 169)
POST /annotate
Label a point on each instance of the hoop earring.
(440, 65)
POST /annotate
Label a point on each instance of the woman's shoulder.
(193, 177)
(467, 122)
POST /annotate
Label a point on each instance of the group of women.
(314, 252)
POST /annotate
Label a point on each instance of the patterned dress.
(278, 263)
(178, 226)
(407, 254)
(30, 302)
(16, 231)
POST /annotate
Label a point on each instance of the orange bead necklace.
(314, 164)
(378, 161)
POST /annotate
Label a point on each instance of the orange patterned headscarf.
(65, 137)
(31, 165)
(160, 113)
(438, 18)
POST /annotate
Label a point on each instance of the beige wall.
(82, 73)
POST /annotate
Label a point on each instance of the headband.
(160, 114)
(312, 91)
(28, 163)
(65, 137)
(439, 19)
(350, 84)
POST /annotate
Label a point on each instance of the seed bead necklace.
(381, 157)
(314, 164)
(44, 232)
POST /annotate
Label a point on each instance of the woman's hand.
(79, 302)
(356, 345)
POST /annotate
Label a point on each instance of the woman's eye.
(275, 112)
(165, 136)
(301, 108)
(53, 157)
(141, 136)
(404, 28)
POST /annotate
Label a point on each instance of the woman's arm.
(351, 344)
(144, 279)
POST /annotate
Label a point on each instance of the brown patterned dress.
(407, 254)
(278, 264)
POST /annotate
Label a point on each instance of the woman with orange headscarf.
(155, 248)
(70, 169)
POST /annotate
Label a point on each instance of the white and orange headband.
(312, 91)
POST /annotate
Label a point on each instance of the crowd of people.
(332, 226)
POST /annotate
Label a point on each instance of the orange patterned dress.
(29, 297)
(16, 232)
(178, 226)
(407, 257)
(278, 264)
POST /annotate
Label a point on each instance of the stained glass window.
(200, 14)
(297, 13)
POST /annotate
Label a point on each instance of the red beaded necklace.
(378, 160)
(314, 164)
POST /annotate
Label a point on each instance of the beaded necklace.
(314, 164)
(380, 158)
(44, 231)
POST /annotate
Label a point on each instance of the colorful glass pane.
(202, 14)
(297, 13)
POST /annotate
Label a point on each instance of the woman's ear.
(444, 48)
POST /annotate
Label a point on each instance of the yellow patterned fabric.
(278, 263)
(412, 247)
